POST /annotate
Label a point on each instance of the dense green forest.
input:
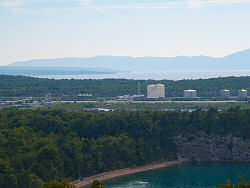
(28, 86)
(37, 146)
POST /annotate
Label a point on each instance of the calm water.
(153, 75)
(183, 176)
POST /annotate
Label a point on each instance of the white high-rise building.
(156, 91)
(190, 93)
(242, 93)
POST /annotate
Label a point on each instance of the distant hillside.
(33, 71)
(236, 61)
(11, 86)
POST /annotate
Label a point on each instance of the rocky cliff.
(205, 147)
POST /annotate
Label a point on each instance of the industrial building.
(190, 93)
(156, 91)
(242, 93)
(138, 97)
(47, 97)
(225, 93)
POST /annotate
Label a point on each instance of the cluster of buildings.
(84, 95)
(157, 91)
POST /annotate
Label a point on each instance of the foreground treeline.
(242, 183)
(37, 146)
(11, 86)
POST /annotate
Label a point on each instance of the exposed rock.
(205, 147)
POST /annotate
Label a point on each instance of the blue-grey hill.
(236, 61)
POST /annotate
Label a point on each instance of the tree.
(97, 184)
(242, 183)
(56, 184)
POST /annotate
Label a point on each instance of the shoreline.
(122, 172)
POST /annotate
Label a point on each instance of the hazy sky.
(31, 29)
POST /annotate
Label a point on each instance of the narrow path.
(122, 172)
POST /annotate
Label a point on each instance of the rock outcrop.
(205, 147)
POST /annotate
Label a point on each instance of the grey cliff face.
(212, 148)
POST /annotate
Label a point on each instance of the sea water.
(203, 175)
(153, 75)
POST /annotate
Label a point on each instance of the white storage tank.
(190, 93)
(242, 93)
(225, 93)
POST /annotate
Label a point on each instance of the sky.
(35, 29)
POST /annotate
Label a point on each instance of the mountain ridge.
(235, 61)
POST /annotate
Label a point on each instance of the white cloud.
(10, 4)
(85, 3)
(17, 5)
(191, 4)
(22, 6)
(145, 5)
(226, 1)
(195, 4)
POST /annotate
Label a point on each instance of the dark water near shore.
(204, 175)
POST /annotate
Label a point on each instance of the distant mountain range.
(33, 71)
(111, 64)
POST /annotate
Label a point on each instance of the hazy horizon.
(134, 56)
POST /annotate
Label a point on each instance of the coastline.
(122, 172)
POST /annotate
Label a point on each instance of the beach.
(122, 172)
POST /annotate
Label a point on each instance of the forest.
(22, 86)
(38, 146)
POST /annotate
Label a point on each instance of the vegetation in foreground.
(57, 184)
(242, 183)
(38, 146)
(97, 184)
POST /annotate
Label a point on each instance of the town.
(156, 93)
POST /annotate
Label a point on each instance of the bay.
(199, 175)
